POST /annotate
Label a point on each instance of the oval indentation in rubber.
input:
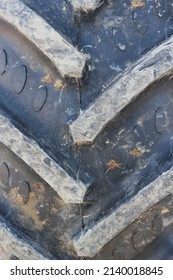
(140, 20)
(23, 192)
(13, 257)
(120, 39)
(40, 99)
(19, 78)
(160, 120)
(3, 61)
(138, 241)
(157, 224)
(4, 174)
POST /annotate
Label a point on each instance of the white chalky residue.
(86, 5)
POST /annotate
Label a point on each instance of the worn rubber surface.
(86, 133)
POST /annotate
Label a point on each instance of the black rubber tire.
(86, 154)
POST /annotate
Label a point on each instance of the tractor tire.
(86, 130)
